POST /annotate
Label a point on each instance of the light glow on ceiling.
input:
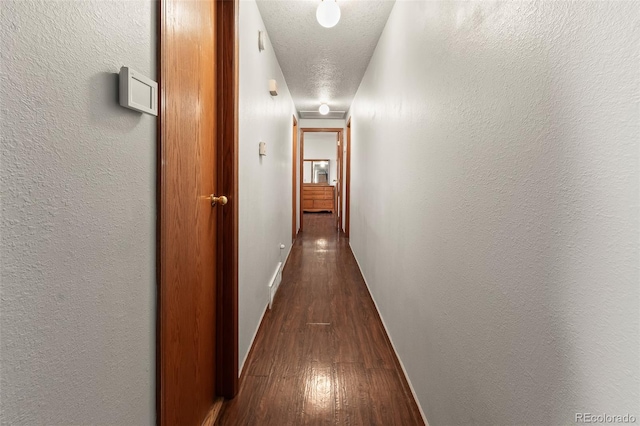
(328, 13)
(324, 109)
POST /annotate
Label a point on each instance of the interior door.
(187, 222)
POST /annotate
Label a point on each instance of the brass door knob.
(222, 200)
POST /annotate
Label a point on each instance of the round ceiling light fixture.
(324, 109)
(328, 13)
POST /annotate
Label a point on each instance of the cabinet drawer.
(307, 204)
(318, 196)
(323, 204)
(314, 192)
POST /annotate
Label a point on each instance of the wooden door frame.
(347, 184)
(227, 301)
(226, 362)
(294, 160)
(304, 130)
(339, 194)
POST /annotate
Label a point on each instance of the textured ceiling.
(323, 64)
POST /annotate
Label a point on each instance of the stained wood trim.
(227, 297)
(159, 211)
(304, 130)
(347, 188)
(322, 129)
(340, 186)
(214, 413)
(294, 200)
(301, 176)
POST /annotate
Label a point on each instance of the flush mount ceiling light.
(328, 13)
(324, 109)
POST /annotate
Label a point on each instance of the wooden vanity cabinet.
(318, 198)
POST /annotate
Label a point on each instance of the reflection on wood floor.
(321, 355)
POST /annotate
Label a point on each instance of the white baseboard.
(255, 333)
(404, 371)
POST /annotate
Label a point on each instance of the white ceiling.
(323, 64)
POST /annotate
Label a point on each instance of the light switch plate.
(263, 148)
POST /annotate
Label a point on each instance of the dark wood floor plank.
(318, 402)
(352, 397)
(320, 343)
(394, 408)
(283, 402)
(259, 361)
(288, 359)
(252, 391)
(321, 355)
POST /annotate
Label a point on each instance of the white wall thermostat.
(138, 92)
(263, 148)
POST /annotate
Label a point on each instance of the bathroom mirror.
(316, 171)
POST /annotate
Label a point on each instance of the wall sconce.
(273, 88)
(261, 36)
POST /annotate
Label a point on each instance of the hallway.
(321, 356)
(486, 163)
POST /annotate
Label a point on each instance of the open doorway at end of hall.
(322, 168)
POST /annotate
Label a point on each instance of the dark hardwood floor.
(321, 356)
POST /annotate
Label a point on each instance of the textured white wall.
(321, 146)
(265, 182)
(78, 215)
(503, 251)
